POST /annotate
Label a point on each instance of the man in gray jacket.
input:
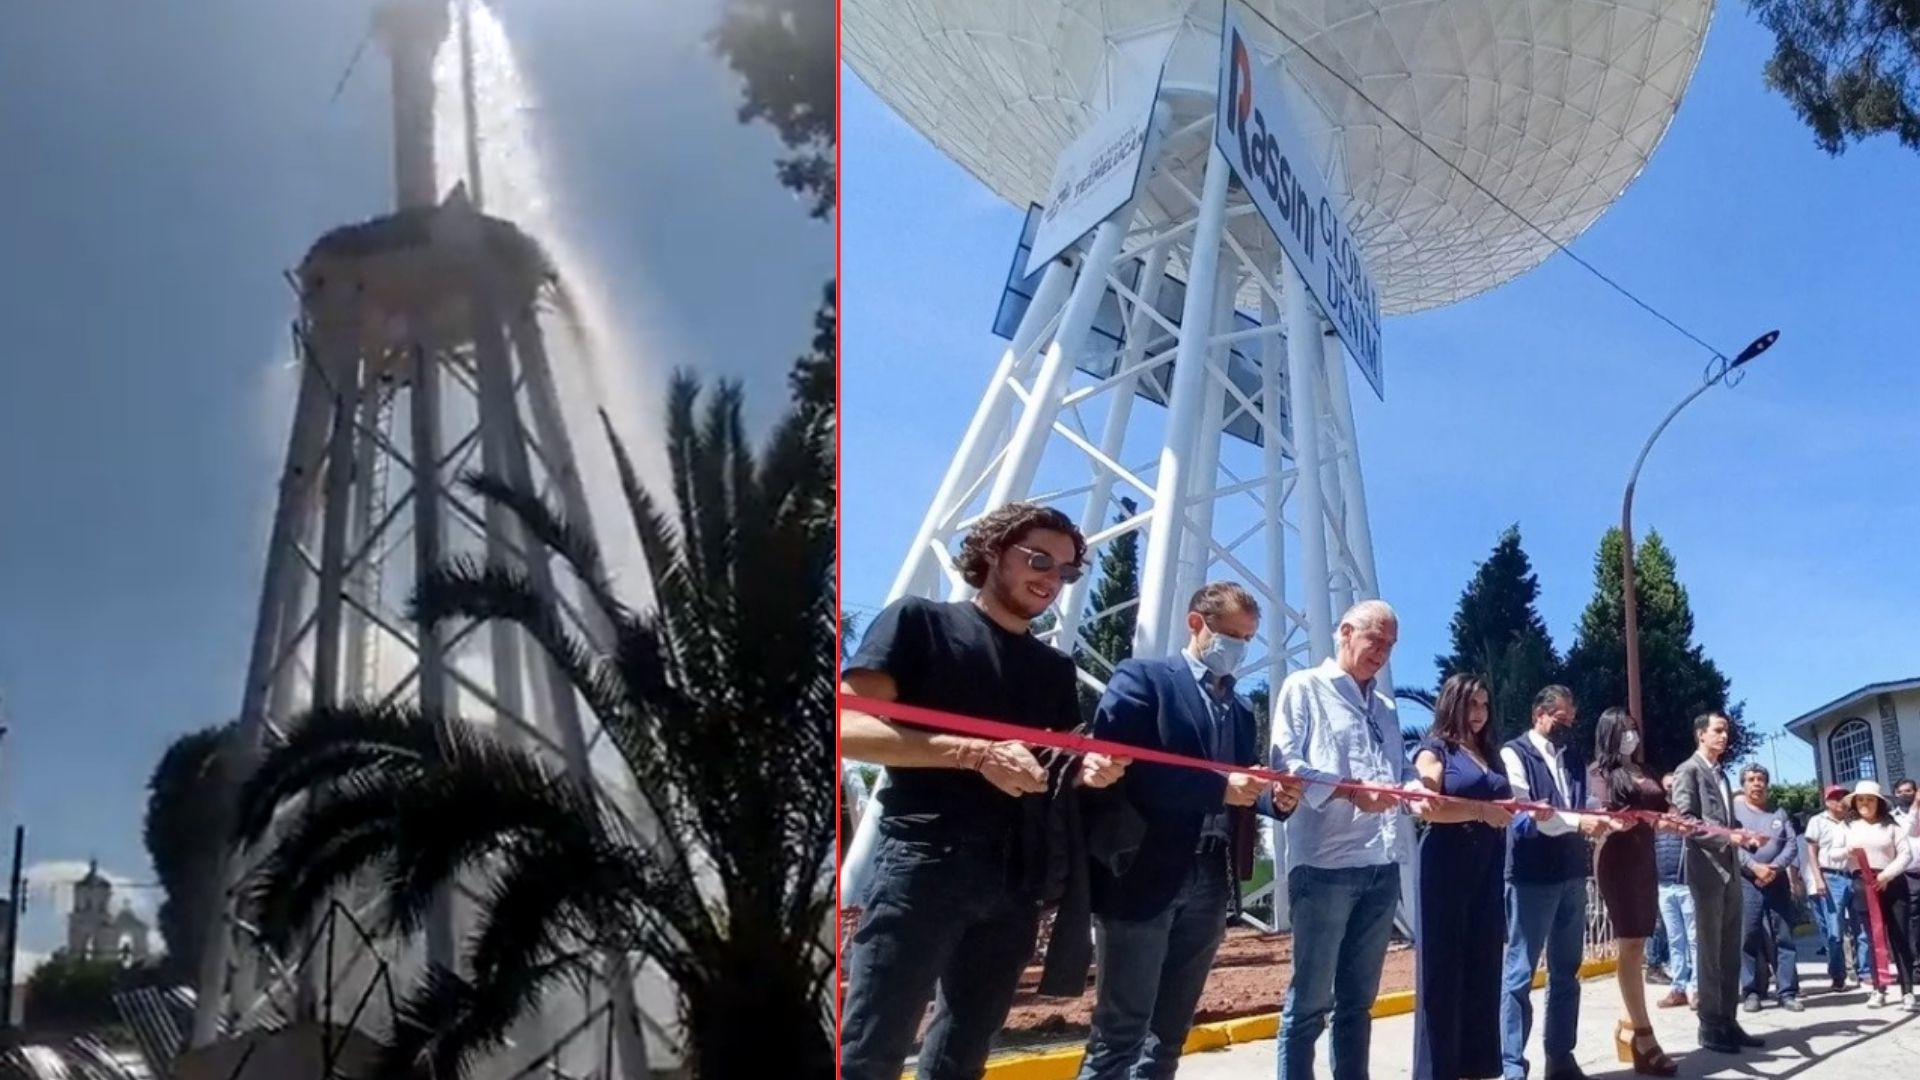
(1767, 895)
(1701, 794)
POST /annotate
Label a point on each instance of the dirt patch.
(1249, 977)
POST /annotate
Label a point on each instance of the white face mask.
(1629, 742)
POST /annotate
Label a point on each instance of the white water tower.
(423, 347)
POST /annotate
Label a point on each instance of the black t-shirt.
(955, 658)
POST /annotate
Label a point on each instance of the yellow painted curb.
(1218, 1035)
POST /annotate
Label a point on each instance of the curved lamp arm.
(1628, 602)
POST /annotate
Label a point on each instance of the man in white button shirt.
(1547, 866)
(1331, 723)
(1832, 884)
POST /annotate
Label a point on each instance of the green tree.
(849, 635)
(813, 374)
(1678, 681)
(72, 994)
(67, 992)
(784, 52)
(1497, 633)
(1800, 800)
(1260, 700)
(183, 809)
(1110, 636)
(719, 702)
(1849, 68)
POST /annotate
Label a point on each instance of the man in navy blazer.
(1161, 908)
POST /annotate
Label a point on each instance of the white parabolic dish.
(1552, 105)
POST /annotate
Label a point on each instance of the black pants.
(1893, 916)
(938, 914)
(1913, 923)
(1152, 972)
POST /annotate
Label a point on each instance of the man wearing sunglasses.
(1162, 908)
(965, 855)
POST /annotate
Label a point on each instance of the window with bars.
(1850, 750)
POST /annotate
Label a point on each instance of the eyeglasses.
(1040, 562)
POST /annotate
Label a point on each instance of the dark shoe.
(1739, 1034)
(1567, 1072)
(1752, 1004)
(1658, 975)
(1792, 1004)
(1719, 1042)
(1839, 985)
(1641, 1050)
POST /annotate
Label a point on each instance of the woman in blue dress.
(1461, 932)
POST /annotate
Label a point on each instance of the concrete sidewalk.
(1837, 1036)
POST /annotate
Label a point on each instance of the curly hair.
(1005, 527)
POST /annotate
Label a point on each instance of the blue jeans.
(1839, 923)
(1151, 974)
(937, 914)
(1341, 922)
(1549, 918)
(1676, 916)
(1766, 945)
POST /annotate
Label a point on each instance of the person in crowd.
(1888, 851)
(1659, 956)
(1832, 887)
(1547, 866)
(1334, 724)
(1766, 891)
(1903, 814)
(1676, 908)
(963, 864)
(1702, 796)
(1627, 874)
(1160, 919)
(1463, 860)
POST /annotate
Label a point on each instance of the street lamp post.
(1628, 600)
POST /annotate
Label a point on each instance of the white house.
(1865, 734)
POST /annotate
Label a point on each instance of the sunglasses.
(1040, 562)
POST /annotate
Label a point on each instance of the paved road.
(1837, 1036)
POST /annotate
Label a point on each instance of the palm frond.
(556, 533)
(447, 1023)
(326, 745)
(463, 589)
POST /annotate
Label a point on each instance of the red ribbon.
(1076, 743)
(1884, 974)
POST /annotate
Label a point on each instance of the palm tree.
(849, 634)
(719, 700)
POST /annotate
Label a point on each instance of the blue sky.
(1787, 500)
(159, 168)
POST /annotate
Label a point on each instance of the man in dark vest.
(1547, 865)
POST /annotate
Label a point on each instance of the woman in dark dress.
(1461, 934)
(1627, 875)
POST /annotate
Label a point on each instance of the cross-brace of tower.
(422, 358)
(1252, 472)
